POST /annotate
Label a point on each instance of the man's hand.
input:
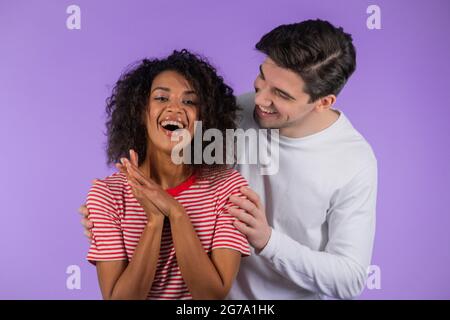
(85, 222)
(251, 218)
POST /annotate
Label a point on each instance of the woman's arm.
(206, 278)
(133, 280)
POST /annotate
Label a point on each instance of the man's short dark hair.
(323, 55)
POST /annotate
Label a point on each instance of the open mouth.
(170, 126)
(265, 111)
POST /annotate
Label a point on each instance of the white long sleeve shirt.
(321, 207)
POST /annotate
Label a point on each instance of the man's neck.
(160, 168)
(313, 123)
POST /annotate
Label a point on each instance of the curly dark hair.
(126, 107)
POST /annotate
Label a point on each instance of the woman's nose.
(175, 107)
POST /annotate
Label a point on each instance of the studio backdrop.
(60, 59)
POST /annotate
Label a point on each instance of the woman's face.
(172, 106)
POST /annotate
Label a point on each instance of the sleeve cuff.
(272, 246)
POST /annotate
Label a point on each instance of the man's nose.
(262, 99)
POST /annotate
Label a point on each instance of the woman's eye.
(189, 102)
(163, 99)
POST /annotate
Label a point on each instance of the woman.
(162, 230)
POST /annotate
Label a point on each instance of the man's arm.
(339, 271)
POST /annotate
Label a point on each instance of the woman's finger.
(135, 178)
(133, 182)
(132, 165)
(137, 174)
(121, 168)
(144, 201)
(126, 165)
(134, 158)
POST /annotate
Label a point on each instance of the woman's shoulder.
(113, 184)
(105, 196)
(117, 179)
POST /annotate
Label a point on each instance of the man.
(312, 223)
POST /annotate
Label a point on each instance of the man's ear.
(325, 103)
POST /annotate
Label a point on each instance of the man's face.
(280, 100)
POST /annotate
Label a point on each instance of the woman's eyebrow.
(168, 90)
(161, 88)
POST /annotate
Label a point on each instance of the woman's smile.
(171, 124)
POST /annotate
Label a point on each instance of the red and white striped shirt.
(119, 221)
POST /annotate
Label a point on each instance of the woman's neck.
(160, 168)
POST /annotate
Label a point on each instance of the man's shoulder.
(246, 102)
(347, 153)
(355, 145)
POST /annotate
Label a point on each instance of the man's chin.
(265, 123)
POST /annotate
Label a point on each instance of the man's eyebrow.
(278, 89)
(261, 72)
(285, 93)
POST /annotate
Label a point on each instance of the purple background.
(54, 81)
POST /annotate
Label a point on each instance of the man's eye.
(256, 89)
(281, 95)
